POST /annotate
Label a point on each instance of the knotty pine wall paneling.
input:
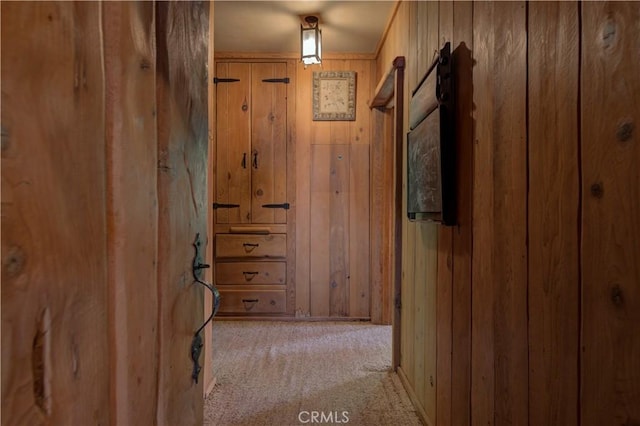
(460, 341)
(444, 282)
(499, 318)
(542, 326)
(554, 192)
(610, 213)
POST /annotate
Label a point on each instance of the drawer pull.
(251, 305)
(249, 247)
(249, 275)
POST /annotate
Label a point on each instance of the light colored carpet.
(279, 373)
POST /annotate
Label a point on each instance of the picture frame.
(334, 95)
(431, 174)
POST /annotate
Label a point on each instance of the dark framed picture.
(431, 187)
(334, 95)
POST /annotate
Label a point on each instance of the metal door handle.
(255, 159)
(244, 160)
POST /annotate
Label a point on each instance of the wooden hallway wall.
(527, 311)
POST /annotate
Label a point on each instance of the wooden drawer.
(251, 246)
(251, 273)
(251, 301)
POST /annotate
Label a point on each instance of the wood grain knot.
(597, 190)
(14, 261)
(609, 34)
(616, 295)
(625, 131)
(40, 363)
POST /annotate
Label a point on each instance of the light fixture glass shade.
(311, 45)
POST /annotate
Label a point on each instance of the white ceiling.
(274, 26)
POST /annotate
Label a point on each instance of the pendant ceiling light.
(311, 41)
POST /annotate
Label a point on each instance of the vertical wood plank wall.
(536, 289)
(499, 267)
(554, 199)
(610, 182)
(334, 277)
(103, 180)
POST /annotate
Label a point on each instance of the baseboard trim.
(414, 398)
(289, 319)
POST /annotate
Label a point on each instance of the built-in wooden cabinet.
(251, 206)
(251, 164)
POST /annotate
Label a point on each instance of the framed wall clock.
(334, 95)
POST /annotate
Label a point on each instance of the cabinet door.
(233, 143)
(269, 154)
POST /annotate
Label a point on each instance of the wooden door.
(55, 340)
(268, 142)
(181, 37)
(251, 141)
(233, 141)
(104, 151)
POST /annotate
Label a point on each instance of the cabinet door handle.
(244, 160)
(255, 159)
(277, 206)
(249, 275)
(249, 300)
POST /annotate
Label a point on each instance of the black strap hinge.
(276, 206)
(217, 80)
(276, 80)
(224, 206)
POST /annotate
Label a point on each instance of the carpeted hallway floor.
(293, 373)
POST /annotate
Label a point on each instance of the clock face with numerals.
(334, 95)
